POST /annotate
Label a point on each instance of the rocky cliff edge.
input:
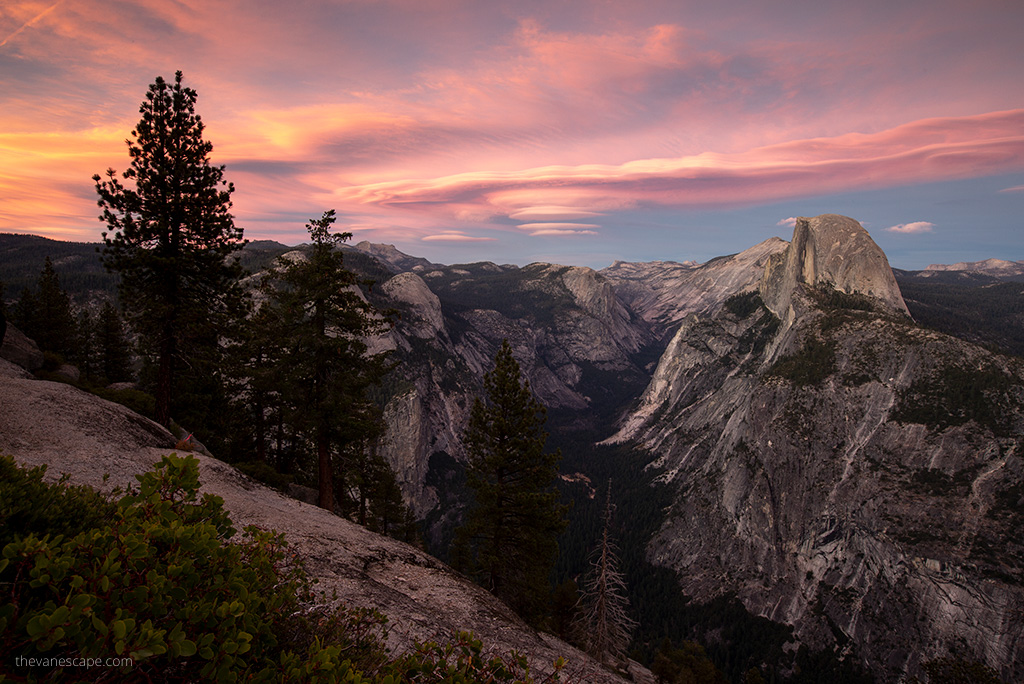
(73, 432)
(829, 250)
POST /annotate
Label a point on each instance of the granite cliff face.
(829, 250)
(569, 331)
(585, 340)
(664, 292)
(841, 469)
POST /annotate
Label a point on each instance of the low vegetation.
(160, 581)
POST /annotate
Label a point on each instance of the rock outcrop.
(839, 468)
(665, 292)
(834, 251)
(72, 432)
(19, 349)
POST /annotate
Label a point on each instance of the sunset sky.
(567, 131)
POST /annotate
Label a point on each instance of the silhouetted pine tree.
(326, 370)
(115, 351)
(508, 542)
(172, 235)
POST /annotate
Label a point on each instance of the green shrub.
(30, 506)
(161, 585)
(156, 578)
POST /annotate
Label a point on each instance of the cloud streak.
(912, 228)
(917, 152)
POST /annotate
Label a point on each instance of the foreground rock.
(20, 350)
(88, 438)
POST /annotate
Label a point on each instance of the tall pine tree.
(172, 233)
(322, 324)
(509, 540)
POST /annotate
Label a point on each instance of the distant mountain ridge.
(995, 267)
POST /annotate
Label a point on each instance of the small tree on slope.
(605, 625)
(322, 323)
(509, 541)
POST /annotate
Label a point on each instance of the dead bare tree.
(605, 626)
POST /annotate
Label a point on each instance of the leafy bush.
(156, 579)
(30, 506)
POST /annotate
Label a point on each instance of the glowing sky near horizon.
(575, 132)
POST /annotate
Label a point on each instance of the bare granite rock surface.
(20, 349)
(88, 438)
(841, 469)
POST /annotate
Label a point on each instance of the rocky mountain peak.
(394, 257)
(829, 250)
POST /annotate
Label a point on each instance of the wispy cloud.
(913, 228)
(30, 23)
(514, 119)
(1016, 188)
(790, 222)
(921, 151)
(554, 228)
(455, 236)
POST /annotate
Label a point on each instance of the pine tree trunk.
(164, 379)
(323, 454)
(261, 429)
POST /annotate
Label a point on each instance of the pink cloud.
(789, 222)
(554, 228)
(404, 119)
(1016, 188)
(549, 232)
(922, 151)
(455, 236)
(912, 228)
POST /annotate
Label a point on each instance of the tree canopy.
(321, 322)
(170, 233)
(508, 542)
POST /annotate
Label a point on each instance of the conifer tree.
(171, 232)
(509, 541)
(115, 352)
(55, 323)
(45, 315)
(87, 355)
(323, 322)
(257, 373)
(605, 625)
